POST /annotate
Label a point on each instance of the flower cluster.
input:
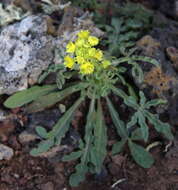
(83, 56)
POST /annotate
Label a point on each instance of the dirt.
(24, 172)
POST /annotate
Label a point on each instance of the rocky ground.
(20, 171)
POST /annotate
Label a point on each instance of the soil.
(23, 172)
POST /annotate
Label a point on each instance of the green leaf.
(128, 36)
(143, 125)
(120, 60)
(133, 120)
(28, 95)
(154, 102)
(108, 28)
(89, 132)
(60, 79)
(52, 68)
(146, 59)
(41, 132)
(131, 91)
(119, 92)
(44, 146)
(121, 69)
(82, 167)
(81, 144)
(137, 73)
(131, 50)
(119, 124)
(100, 138)
(48, 100)
(117, 148)
(142, 98)
(136, 134)
(79, 176)
(161, 127)
(131, 101)
(140, 155)
(90, 118)
(72, 156)
(116, 23)
(133, 24)
(62, 125)
(121, 78)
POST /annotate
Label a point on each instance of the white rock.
(6, 152)
(25, 51)
(26, 137)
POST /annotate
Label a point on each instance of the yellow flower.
(92, 52)
(99, 55)
(93, 40)
(83, 34)
(70, 47)
(106, 63)
(79, 52)
(86, 68)
(85, 56)
(80, 42)
(86, 45)
(69, 62)
(80, 59)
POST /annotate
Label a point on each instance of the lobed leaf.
(137, 72)
(72, 156)
(62, 125)
(154, 102)
(79, 176)
(82, 167)
(131, 91)
(119, 92)
(28, 95)
(143, 126)
(140, 155)
(119, 124)
(146, 59)
(133, 120)
(117, 147)
(41, 131)
(60, 79)
(44, 146)
(52, 68)
(48, 100)
(131, 101)
(161, 127)
(142, 99)
(133, 24)
(100, 139)
(136, 134)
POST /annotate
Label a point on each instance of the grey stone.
(47, 186)
(25, 51)
(26, 137)
(3, 115)
(6, 152)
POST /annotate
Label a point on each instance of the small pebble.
(47, 186)
(26, 137)
(6, 152)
